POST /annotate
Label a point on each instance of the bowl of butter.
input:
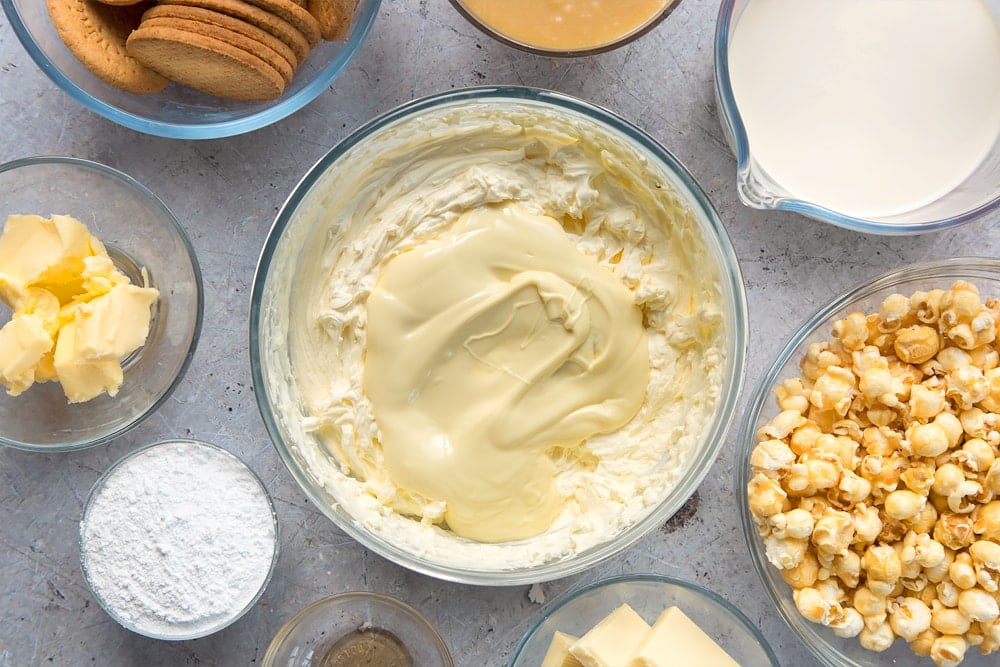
(646, 620)
(100, 303)
(497, 335)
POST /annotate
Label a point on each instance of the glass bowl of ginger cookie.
(192, 69)
(891, 486)
(101, 303)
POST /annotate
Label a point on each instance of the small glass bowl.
(178, 112)
(278, 395)
(249, 477)
(140, 234)
(306, 637)
(543, 50)
(831, 650)
(580, 609)
(977, 196)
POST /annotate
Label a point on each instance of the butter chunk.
(613, 641)
(558, 654)
(81, 379)
(47, 253)
(23, 343)
(676, 640)
(114, 324)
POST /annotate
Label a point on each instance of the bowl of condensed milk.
(881, 116)
(565, 27)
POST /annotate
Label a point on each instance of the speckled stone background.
(662, 82)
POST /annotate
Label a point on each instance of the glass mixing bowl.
(304, 221)
(579, 610)
(140, 234)
(830, 649)
(976, 196)
(177, 112)
(506, 37)
(308, 636)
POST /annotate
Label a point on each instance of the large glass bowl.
(975, 197)
(866, 297)
(141, 236)
(306, 638)
(581, 609)
(177, 112)
(293, 233)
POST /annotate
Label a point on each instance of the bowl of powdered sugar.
(178, 540)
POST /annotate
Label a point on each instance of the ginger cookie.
(333, 16)
(120, 3)
(96, 33)
(273, 58)
(228, 23)
(206, 64)
(294, 14)
(263, 19)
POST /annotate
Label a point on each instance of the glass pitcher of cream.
(881, 116)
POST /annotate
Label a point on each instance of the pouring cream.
(869, 108)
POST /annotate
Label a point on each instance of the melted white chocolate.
(488, 349)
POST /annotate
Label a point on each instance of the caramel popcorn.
(876, 488)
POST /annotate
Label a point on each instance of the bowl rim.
(763, 394)
(573, 594)
(360, 596)
(735, 130)
(277, 111)
(623, 40)
(731, 286)
(98, 486)
(174, 224)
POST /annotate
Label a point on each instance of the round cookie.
(228, 23)
(273, 58)
(120, 3)
(333, 17)
(95, 34)
(294, 14)
(264, 20)
(206, 64)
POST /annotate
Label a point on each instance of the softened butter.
(74, 315)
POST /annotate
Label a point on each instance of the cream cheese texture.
(419, 181)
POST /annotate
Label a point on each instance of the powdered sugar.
(178, 540)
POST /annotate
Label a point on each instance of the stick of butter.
(613, 641)
(676, 640)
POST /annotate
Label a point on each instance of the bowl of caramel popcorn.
(869, 487)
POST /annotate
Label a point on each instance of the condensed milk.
(565, 25)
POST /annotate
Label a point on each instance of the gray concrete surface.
(226, 193)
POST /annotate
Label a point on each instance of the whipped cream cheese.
(419, 180)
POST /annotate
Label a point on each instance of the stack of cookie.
(237, 49)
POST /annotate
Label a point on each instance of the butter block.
(675, 641)
(114, 324)
(613, 641)
(23, 343)
(558, 654)
(46, 253)
(81, 379)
